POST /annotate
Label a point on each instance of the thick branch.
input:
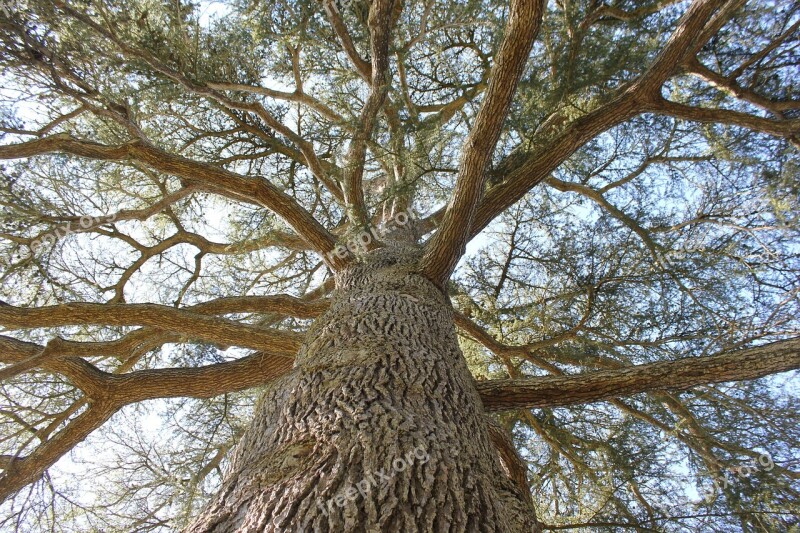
(186, 323)
(449, 243)
(362, 67)
(201, 382)
(552, 391)
(381, 17)
(120, 390)
(542, 162)
(110, 392)
(693, 30)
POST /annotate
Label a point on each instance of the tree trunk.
(378, 427)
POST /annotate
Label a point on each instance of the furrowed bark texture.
(378, 427)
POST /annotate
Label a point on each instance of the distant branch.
(381, 20)
(788, 128)
(296, 96)
(362, 67)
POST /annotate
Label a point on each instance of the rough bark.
(378, 427)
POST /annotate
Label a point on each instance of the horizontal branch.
(178, 321)
(552, 391)
(296, 96)
(780, 128)
(202, 382)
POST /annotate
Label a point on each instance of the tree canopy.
(179, 180)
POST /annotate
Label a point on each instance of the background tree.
(180, 184)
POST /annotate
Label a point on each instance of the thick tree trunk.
(379, 426)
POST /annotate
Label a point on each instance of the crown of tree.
(606, 193)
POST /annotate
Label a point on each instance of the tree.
(208, 204)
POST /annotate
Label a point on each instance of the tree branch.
(697, 25)
(296, 96)
(381, 20)
(730, 86)
(362, 67)
(306, 148)
(21, 471)
(642, 95)
(211, 178)
(787, 128)
(681, 374)
(120, 390)
(201, 382)
(449, 243)
(178, 321)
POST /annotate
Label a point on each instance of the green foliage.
(659, 239)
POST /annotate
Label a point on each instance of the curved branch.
(121, 390)
(110, 392)
(698, 24)
(305, 147)
(211, 178)
(730, 86)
